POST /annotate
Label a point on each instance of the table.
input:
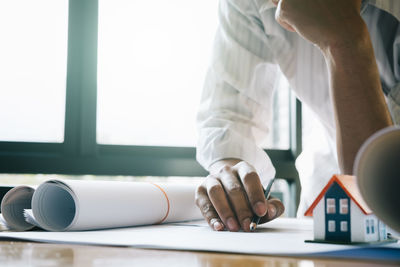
(37, 254)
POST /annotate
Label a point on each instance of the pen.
(255, 220)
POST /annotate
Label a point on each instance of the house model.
(341, 215)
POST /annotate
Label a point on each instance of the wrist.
(218, 165)
(354, 37)
(352, 55)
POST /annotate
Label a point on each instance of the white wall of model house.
(359, 223)
(319, 220)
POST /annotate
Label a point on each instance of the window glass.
(344, 206)
(367, 226)
(330, 206)
(331, 226)
(372, 224)
(152, 62)
(343, 226)
(279, 134)
(33, 61)
(313, 133)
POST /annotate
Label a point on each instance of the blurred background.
(109, 89)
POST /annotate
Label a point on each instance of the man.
(342, 59)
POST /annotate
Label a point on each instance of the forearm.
(358, 101)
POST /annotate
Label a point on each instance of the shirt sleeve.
(393, 101)
(235, 109)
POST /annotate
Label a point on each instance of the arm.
(233, 120)
(336, 27)
(359, 104)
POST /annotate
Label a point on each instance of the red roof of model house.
(349, 185)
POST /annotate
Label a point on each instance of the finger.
(237, 197)
(275, 209)
(253, 187)
(218, 198)
(207, 209)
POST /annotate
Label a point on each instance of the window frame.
(331, 226)
(344, 227)
(344, 206)
(80, 153)
(372, 226)
(330, 207)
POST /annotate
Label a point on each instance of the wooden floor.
(36, 254)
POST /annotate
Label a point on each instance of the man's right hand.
(232, 193)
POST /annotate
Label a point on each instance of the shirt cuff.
(222, 144)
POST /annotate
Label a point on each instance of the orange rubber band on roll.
(166, 197)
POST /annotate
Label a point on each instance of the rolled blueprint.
(74, 205)
(14, 202)
(377, 168)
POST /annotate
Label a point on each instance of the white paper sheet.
(282, 237)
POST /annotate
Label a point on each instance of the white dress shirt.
(250, 51)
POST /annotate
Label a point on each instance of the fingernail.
(218, 226)
(271, 212)
(260, 208)
(246, 224)
(232, 224)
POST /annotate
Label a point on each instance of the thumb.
(275, 209)
(279, 17)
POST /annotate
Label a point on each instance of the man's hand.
(322, 22)
(337, 28)
(231, 194)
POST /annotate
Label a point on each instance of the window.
(330, 206)
(367, 226)
(79, 95)
(146, 68)
(343, 226)
(331, 226)
(344, 205)
(33, 63)
(372, 225)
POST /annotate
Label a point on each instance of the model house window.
(343, 226)
(331, 226)
(367, 225)
(330, 206)
(372, 225)
(344, 206)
